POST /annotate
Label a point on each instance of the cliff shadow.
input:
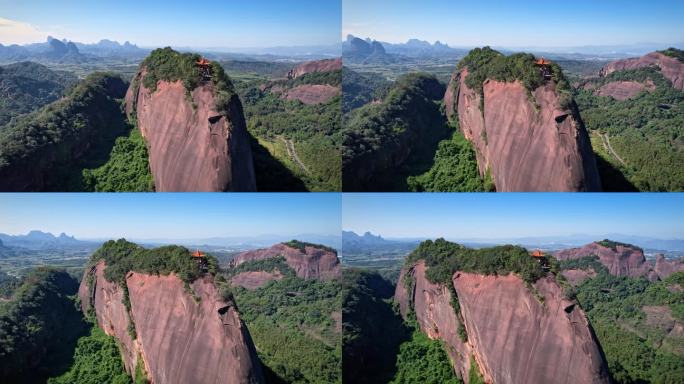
(422, 156)
(271, 174)
(612, 179)
(373, 330)
(270, 376)
(69, 177)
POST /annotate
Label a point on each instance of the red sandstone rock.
(312, 93)
(577, 276)
(527, 148)
(624, 90)
(179, 339)
(312, 263)
(665, 268)
(192, 149)
(435, 315)
(621, 261)
(327, 65)
(514, 337)
(670, 67)
(254, 279)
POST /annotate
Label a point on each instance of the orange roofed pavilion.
(197, 253)
(537, 253)
(203, 62)
(542, 61)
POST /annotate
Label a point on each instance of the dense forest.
(634, 321)
(281, 126)
(385, 143)
(359, 89)
(379, 346)
(51, 148)
(645, 132)
(40, 328)
(294, 324)
(27, 86)
(372, 328)
(404, 143)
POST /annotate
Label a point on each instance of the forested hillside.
(296, 128)
(50, 149)
(638, 140)
(27, 86)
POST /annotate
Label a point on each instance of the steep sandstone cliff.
(310, 263)
(178, 338)
(528, 145)
(624, 90)
(254, 279)
(328, 65)
(192, 146)
(670, 67)
(624, 260)
(513, 335)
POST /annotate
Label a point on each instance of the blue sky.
(171, 215)
(207, 23)
(517, 23)
(511, 215)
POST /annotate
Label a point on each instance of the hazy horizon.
(170, 215)
(510, 216)
(212, 23)
(522, 23)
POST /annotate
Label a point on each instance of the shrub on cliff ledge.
(674, 52)
(444, 258)
(301, 245)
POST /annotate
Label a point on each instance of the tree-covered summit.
(165, 64)
(122, 256)
(674, 52)
(486, 63)
(444, 258)
(301, 245)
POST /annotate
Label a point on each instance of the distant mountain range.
(243, 242)
(350, 238)
(353, 48)
(65, 51)
(546, 242)
(37, 240)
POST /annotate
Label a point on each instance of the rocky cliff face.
(254, 279)
(624, 90)
(665, 268)
(179, 339)
(310, 263)
(192, 147)
(528, 145)
(670, 67)
(513, 336)
(328, 65)
(624, 260)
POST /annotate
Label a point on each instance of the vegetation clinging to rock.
(165, 64)
(122, 256)
(301, 245)
(486, 63)
(444, 258)
(674, 52)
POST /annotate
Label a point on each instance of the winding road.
(606, 144)
(293, 154)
